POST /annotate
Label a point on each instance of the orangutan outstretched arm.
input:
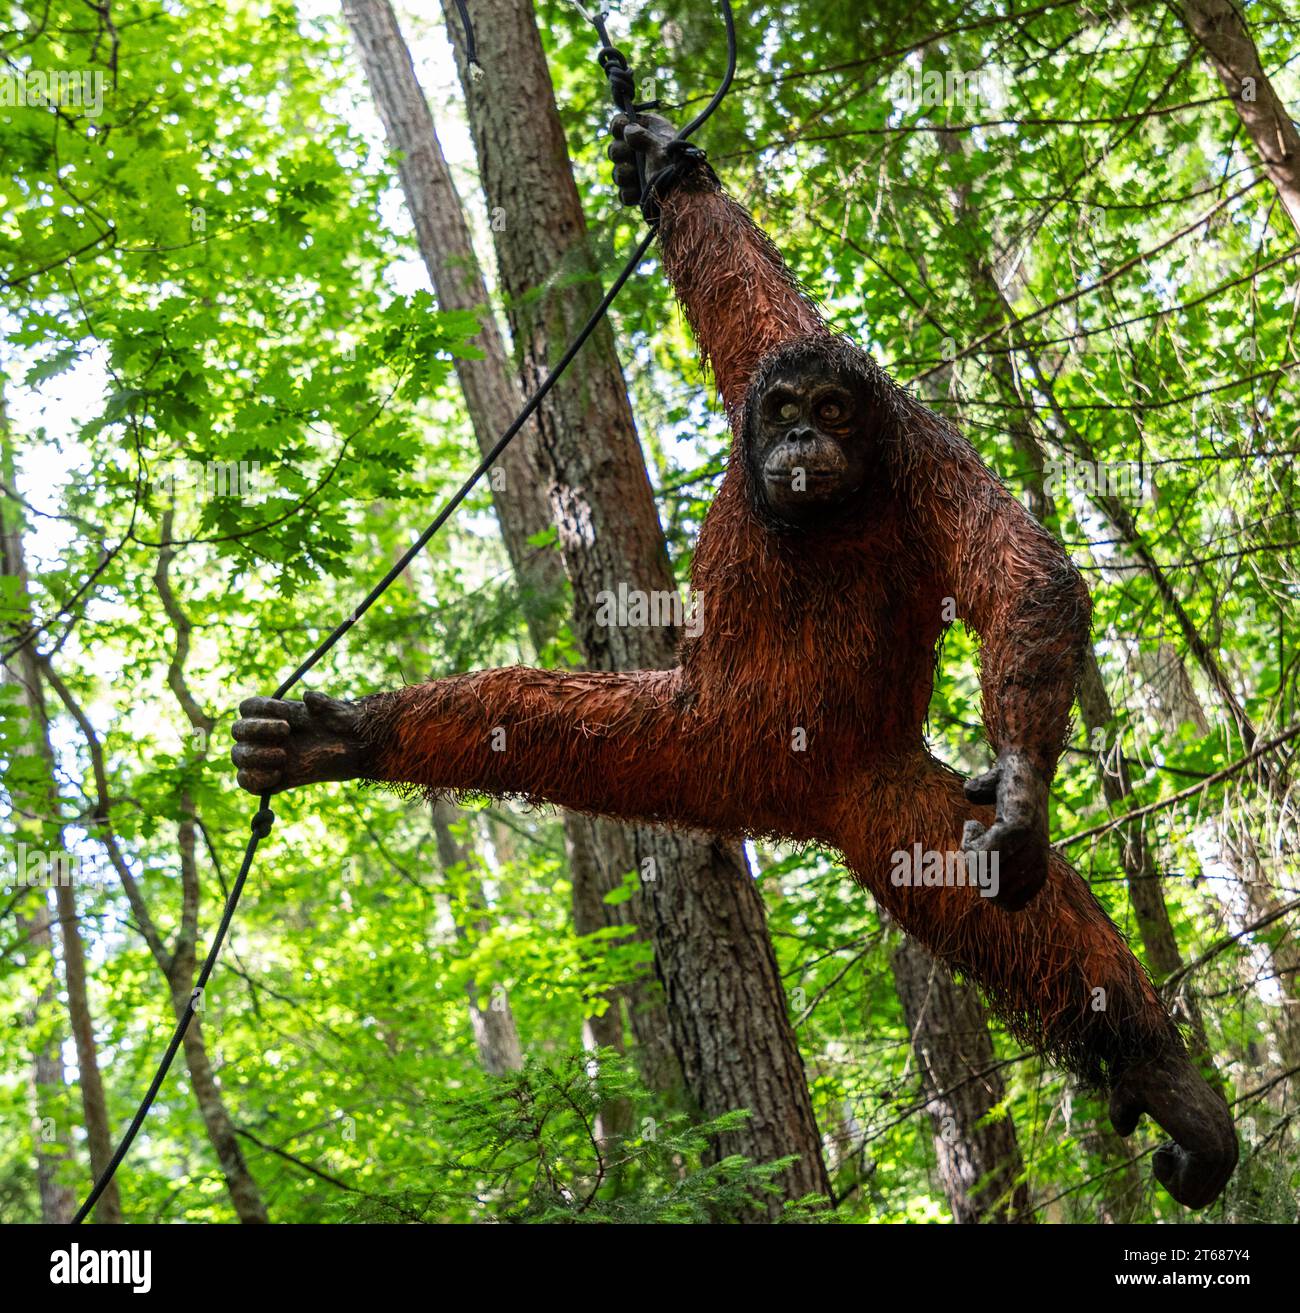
(587, 740)
(739, 298)
(1007, 578)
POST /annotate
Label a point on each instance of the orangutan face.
(807, 447)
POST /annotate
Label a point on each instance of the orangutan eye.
(789, 410)
(830, 411)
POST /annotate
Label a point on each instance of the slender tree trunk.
(491, 388)
(1259, 899)
(1118, 1192)
(600, 853)
(1221, 32)
(243, 1191)
(726, 1007)
(495, 1033)
(94, 1104)
(593, 877)
(45, 1081)
(1126, 529)
(596, 864)
(1142, 875)
(966, 1154)
(1121, 1186)
(26, 674)
(180, 966)
(1247, 895)
(979, 1161)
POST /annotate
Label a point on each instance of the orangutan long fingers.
(1126, 1109)
(275, 709)
(260, 730)
(971, 832)
(1010, 838)
(334, 714)
(982, 788)
(259, 781)
(637, 137)
(259, 757)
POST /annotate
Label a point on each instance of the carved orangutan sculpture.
(852, 525)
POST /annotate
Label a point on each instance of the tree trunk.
(180, 967)
(1121, 1186)
(599, 852)
(1261, 897)
(1221, 32)
(26, 673)
(243, 1191)
(1244, 890)
(1141, 874)
(1142, 877)
(1145, 892)
(596, 850)
(979, 1162)
(45, 1082)
(94, 1104)
(726, 1007)
(942, 1049)
(492, 393)
(495, 1032)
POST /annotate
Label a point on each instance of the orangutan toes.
(280, 745)
(1196, 1164)
(1195, 1179)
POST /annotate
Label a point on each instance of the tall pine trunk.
(599, 852)
(726, 1007)
(1219, 29)
(495, 1034)
(25, 672)
(978, 1159)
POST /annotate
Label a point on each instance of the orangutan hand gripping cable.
(851, 527)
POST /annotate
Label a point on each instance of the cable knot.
(262, 822)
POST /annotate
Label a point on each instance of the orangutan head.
(813, 432)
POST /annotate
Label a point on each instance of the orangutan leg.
(1059, 973)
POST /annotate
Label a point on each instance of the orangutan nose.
(803, 436)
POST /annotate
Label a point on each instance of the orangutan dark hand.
(1019, 833)
(650, 136)
(1195, 1166)
(280, 745)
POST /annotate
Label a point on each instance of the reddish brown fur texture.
(824, 638)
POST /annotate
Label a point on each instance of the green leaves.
(528, 1143)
